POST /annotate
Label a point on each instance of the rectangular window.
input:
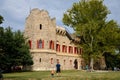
(40, 26)
(40, 60)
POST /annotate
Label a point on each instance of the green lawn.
(65, 75)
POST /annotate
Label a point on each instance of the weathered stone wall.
(67, 62)
(33, 31)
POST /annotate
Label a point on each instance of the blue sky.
(15, 11)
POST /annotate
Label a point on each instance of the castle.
(50, 43)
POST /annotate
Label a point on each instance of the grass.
(65, 75)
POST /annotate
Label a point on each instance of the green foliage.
(85, 12)
(15, 51)
(112, 60)
(108, 37)
(88, 19)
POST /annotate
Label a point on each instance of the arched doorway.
(75, 64)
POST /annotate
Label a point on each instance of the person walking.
(58, 70)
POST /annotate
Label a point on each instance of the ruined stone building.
(50, 43)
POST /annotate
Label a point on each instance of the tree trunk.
(91, 64)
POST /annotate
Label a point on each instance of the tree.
(23, 49)
(88, 19)
(15, 49)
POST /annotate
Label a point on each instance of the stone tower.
(39, 26)
(40, 29)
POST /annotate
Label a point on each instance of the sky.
(16, 11)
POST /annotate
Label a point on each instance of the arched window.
(51, 45)
(70, 49)
(64, 48)
(76, 50)
(58, 47)
(40, 44)
(75, 64)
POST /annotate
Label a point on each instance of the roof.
(65, 31)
